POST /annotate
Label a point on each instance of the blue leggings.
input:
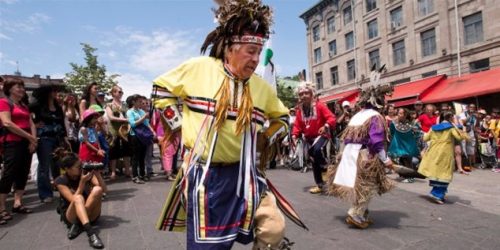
(439, 189)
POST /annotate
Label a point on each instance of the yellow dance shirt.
(196, 82)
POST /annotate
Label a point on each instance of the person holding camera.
(81, 188)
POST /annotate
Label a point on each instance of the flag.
(269, 70)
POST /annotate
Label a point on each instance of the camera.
(89, 166)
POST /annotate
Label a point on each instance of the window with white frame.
(371, 5)
(349, 41)
(317, 55)
(428, 42)
(396, 17)
(372, 28)
(316, 33)
(347, 15)
(425, 7)
(398, 52)
(473, 28)
(332, 48)
(374, 57)
(330, 24)
(319, 80)
(334, 73)
(351, 70)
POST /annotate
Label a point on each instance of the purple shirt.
(375, 138)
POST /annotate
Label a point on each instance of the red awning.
(349, 95)
(414, 89)
(405, 102)
(477, 84)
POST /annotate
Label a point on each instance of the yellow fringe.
(223, 103)
(245, 110)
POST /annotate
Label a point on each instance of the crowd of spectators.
(67, 131)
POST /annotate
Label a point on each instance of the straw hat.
(123, 131)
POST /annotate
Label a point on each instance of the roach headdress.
(374, 94)
(240, 21)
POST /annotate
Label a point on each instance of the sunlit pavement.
(404, 218)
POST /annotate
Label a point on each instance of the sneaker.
(496, 170)
(145, 178)
(95, 241)
(408, 180)
(315, 190)
(74, 231)
(136, 180)
(153, 174)
(48, 200)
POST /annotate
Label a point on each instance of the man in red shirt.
(428, 119)
(313, 120)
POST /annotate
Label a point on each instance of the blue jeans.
(104, 146)
(46, 146)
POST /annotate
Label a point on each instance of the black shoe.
(74, 231)
(145, 178)
(95, 241)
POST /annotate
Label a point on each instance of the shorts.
(469, 146)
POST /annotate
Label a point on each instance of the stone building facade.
(413, 38)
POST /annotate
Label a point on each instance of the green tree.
(286, 95)
(82, 75)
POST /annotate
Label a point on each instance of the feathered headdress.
(240, 21)
(374, 94)
(306, 86)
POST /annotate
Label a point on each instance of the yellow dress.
(438, 162)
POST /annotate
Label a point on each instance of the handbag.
(144, 134)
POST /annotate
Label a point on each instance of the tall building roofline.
(314, 9)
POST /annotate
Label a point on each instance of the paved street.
(404, 219)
